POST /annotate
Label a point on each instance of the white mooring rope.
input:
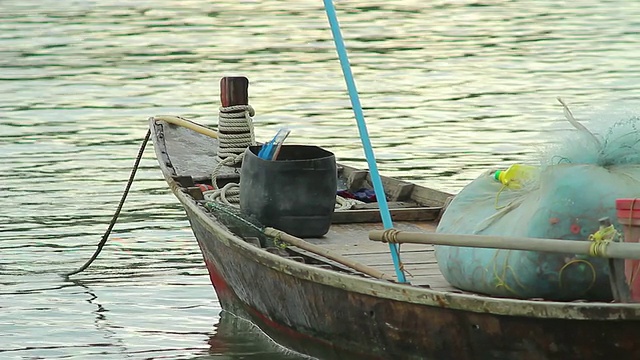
(235, 134)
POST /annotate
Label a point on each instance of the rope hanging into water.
(117, 213)
(235, 143)
(235, 134)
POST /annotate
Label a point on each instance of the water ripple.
(450, 89)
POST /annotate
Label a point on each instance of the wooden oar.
(295, 241)
(175, 120)
(615, 250)
(233, 217)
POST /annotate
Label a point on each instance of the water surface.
(450, 89)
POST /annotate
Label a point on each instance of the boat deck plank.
(352, 241)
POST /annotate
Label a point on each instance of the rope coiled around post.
(235, 131)
(235, 134)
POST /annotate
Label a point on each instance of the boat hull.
(333, 322)
(333, 314)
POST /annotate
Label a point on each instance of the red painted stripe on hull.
(223, 289)
(219, 284)
(225, 292)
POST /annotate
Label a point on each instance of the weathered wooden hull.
(338, 315)
(335, 322)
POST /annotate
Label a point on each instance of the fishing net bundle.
(580, 176)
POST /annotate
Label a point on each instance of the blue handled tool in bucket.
(271, 149)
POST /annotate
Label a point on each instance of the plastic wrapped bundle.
(577, 184)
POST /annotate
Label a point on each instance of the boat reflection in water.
(237, 338)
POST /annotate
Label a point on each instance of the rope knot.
(390, 236)
(235, 130)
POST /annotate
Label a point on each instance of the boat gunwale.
(475, 303)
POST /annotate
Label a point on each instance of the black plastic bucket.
(295, 193)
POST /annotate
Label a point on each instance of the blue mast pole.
(364, 134)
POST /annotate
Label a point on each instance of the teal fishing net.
(239, 223)
(612, 139)
(579, 178)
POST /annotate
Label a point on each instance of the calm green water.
(450, 88)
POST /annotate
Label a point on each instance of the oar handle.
(615, 250)
(187, 124)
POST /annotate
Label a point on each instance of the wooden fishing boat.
(310, 303)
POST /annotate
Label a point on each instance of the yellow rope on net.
(495, 205)
(599, 242)
(501, 279)
(601, 239)
(576, 261)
